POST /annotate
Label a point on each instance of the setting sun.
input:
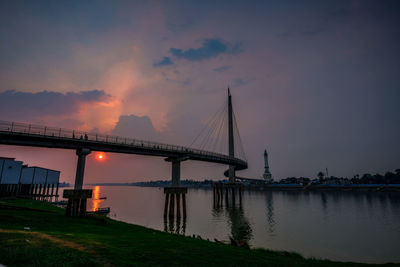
(100, 156)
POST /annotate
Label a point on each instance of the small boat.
(100, 198)
(60, 203)
(100, 211)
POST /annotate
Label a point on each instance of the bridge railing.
(32, 129)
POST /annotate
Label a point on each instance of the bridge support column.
(77, 197)
(176, 173)
(231, 174)
(80, 168)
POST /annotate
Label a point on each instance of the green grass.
(56, 240)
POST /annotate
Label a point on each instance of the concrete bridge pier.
(174, 196)
(175, 193)
(77, 197)
(80, 168)
(228, 192)
(176, 173)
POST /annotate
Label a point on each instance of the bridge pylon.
(231, 141)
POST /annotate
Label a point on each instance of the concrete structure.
(10, 170)
(17, 179)
(267, 174)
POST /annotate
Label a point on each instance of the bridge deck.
(21, 134)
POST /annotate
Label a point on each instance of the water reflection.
(338, 225)
(175, 225)
(172, 221)
(240, 228)
(270, 212)
(96, 198)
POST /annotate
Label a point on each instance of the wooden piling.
(82, 208)
(172, 205)
(68, 210)
(184, 205)
(178, 206)
(57, 191)
(166, 204)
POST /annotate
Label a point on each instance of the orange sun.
(100, 156)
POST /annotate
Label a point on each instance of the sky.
(316, 83)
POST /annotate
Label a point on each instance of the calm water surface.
(344, 226)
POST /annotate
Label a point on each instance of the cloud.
(211, 48)
(240, 82)
(222, 69)
(31, 107)
(138, 127)
(163, 62)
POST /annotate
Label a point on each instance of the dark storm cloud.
(163, 62)
(15, 105)
(136, 127)
(211, 48)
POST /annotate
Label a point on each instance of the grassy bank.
(51, 239)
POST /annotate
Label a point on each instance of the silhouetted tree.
(321, 175)
(390, 177)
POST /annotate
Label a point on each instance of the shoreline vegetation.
(34, 233)
(390, 181)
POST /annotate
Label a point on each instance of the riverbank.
(38, 234)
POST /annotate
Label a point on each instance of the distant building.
(10, 170)
(267, 174)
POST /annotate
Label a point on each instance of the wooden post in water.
(173, 195)
(184, 204)
(171, 206)
(178, 206)
(166, 204)
(240, 195)
(226, 197)
(233, 196)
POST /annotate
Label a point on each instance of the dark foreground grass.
(56, 240)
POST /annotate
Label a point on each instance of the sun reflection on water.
(96, 198)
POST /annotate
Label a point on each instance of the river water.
(342, 226)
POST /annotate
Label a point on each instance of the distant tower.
(267, 174)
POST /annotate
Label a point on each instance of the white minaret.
(267, 174)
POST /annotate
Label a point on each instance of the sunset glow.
(100, 156)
